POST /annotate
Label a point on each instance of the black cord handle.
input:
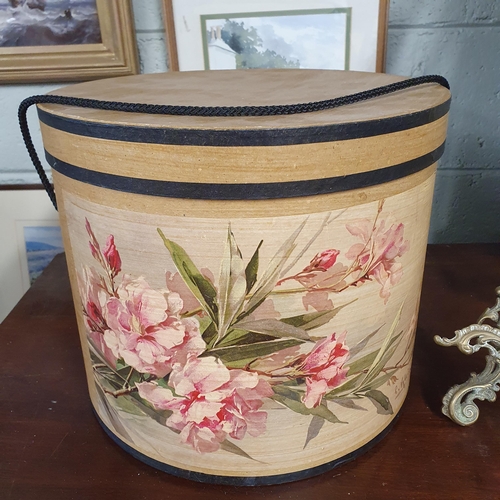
(211, 111)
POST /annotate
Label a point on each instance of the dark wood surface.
(51, 446)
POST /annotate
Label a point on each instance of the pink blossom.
(323, 272)
(111, 256)
(322, 261)
(318, 300)
(210, 403)
(146, 330)
(332, 279)
(376, 255)
(266, 310)
(323, 368)
(94, 297)
(176, 284)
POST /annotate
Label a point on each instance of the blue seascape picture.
(48, 22)
(43, 243)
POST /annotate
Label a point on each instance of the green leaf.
(236, 450)
(163, 383)
(108, 378)
(360, 381)
(313, 430)
(275, 328)
(381, 402)
(389, 352)
(324, 224)
(347, 387)
(159, 416)
(363, 363)
(134, 377)
(238, 337)
(242, 337)
(129, 405)
(120, 364)
(381, 380)
(193, 312)
(292, 399)
(348, 403)
(232, 284)
(250, 351)
(268, 281)
(361, 345)
(201, 287)
(252, 268)
(313, 320)
(124, 370)
(209, 335)
(377, 364)
(204, 322)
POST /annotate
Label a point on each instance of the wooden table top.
(52, 447)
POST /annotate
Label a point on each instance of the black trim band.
(260, 137)
(247, 481)
(251, 191)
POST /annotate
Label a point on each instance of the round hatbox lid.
(353, 146)
(249, 88)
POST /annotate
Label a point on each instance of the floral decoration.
(207, 358)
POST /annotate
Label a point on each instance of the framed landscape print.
(60, 40)
(322, 34)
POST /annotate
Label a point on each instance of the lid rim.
(201, 92)
(244, 137)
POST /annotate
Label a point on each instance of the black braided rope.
(210, 111)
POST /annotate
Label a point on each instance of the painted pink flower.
(94, 297)
(146, 330)
(333, 279)
(323, 272)
(323, 368)
(266, 310)
(322, 261)
(318, 300)
(111, 256)
(108, 258)
(176, 284)
(376, 255)
(210, 403)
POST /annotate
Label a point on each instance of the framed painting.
(328, 34)
(31, 239)
(64, 40)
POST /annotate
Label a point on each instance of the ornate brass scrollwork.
(458, 403)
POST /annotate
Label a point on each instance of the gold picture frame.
(116, 55)
(168, 17)
(176, 60)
